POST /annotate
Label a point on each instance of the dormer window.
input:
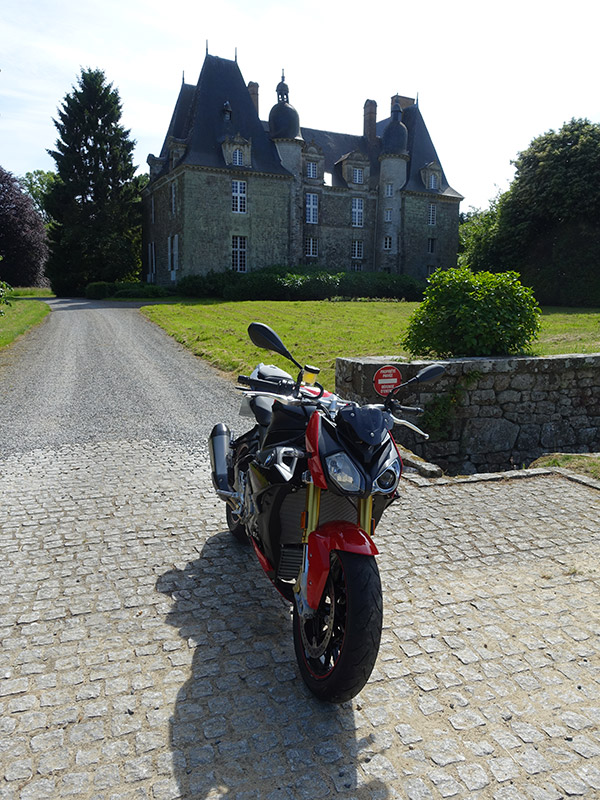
(311, 169)
(431, 175)
(226, 111)
(237, 151)
(358, 175)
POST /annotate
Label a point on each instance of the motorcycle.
(307, 486)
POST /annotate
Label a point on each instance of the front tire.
(336, 649)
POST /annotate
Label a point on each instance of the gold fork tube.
(313, 506)
(365, 514)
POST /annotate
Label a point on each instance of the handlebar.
(277, 386)
(409, 409)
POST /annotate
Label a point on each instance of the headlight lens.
(343, 473)
(388, 479)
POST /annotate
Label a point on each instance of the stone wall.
(492, 414)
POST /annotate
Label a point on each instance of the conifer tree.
(93, 203)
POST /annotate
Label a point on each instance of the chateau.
(231, 192)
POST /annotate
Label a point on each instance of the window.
(238, 197)
(432, 214)
(357, 248)
(238, 253)
(173, 255)
(311, 247)
(312, 208)
(357, 212)
(387, 242)
(431, 245)
(173, 199)
(434, 182)
(238, 158)
(357, 175)
(388, 215)
(356, 266)
(389, 190)
(151, 262)
(311, 169)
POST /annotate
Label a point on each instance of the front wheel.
(337, 648)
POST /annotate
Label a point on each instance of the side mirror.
(430, 373)
(265, 337)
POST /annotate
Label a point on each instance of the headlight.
(343, 473)
(387, 480)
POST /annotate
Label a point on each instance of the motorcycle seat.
(262, 408)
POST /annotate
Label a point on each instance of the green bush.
(473, 314)
(307, 282)
(124, 289)
(380, 285)
(210, 285)
(5, 290)
(99, 290)
(259, 285)
(310, 283)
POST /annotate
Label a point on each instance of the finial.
(183, 76)
(207, 47)
(236, 55)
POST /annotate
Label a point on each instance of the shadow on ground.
(244, 725)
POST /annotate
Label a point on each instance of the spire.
(283, 92)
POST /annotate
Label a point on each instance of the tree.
(23, 240)
(547, 225)
(37, 184)
(93, 204)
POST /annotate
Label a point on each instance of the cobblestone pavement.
(145, 655)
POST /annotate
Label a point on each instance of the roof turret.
(395, 136)
(284, 121)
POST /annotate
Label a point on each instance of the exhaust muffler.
(218, 448)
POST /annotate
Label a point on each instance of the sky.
(489, 76)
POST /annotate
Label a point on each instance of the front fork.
(310, 523)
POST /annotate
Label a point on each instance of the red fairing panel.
(313, 429)
(332, 536)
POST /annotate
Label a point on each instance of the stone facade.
(493, 414)
(230, 191)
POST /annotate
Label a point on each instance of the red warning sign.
(386, 379)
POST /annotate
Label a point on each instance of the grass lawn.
(317, 332)
(314, 332)
(582, 464)
(568, 330)
(21, 315)
(31, 291)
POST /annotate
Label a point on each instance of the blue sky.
(489, 76)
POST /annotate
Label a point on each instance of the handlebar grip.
(281, 386)
(410, 409)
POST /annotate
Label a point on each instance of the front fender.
(332, 536)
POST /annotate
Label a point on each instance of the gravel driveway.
(145, 657)
(96, 372)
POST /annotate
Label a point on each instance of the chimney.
(403, 102)
(370, 121)
(253, 89)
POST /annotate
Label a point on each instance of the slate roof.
(421, 151)
(198, 119)
(198, 122)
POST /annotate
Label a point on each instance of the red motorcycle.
(307, 486)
